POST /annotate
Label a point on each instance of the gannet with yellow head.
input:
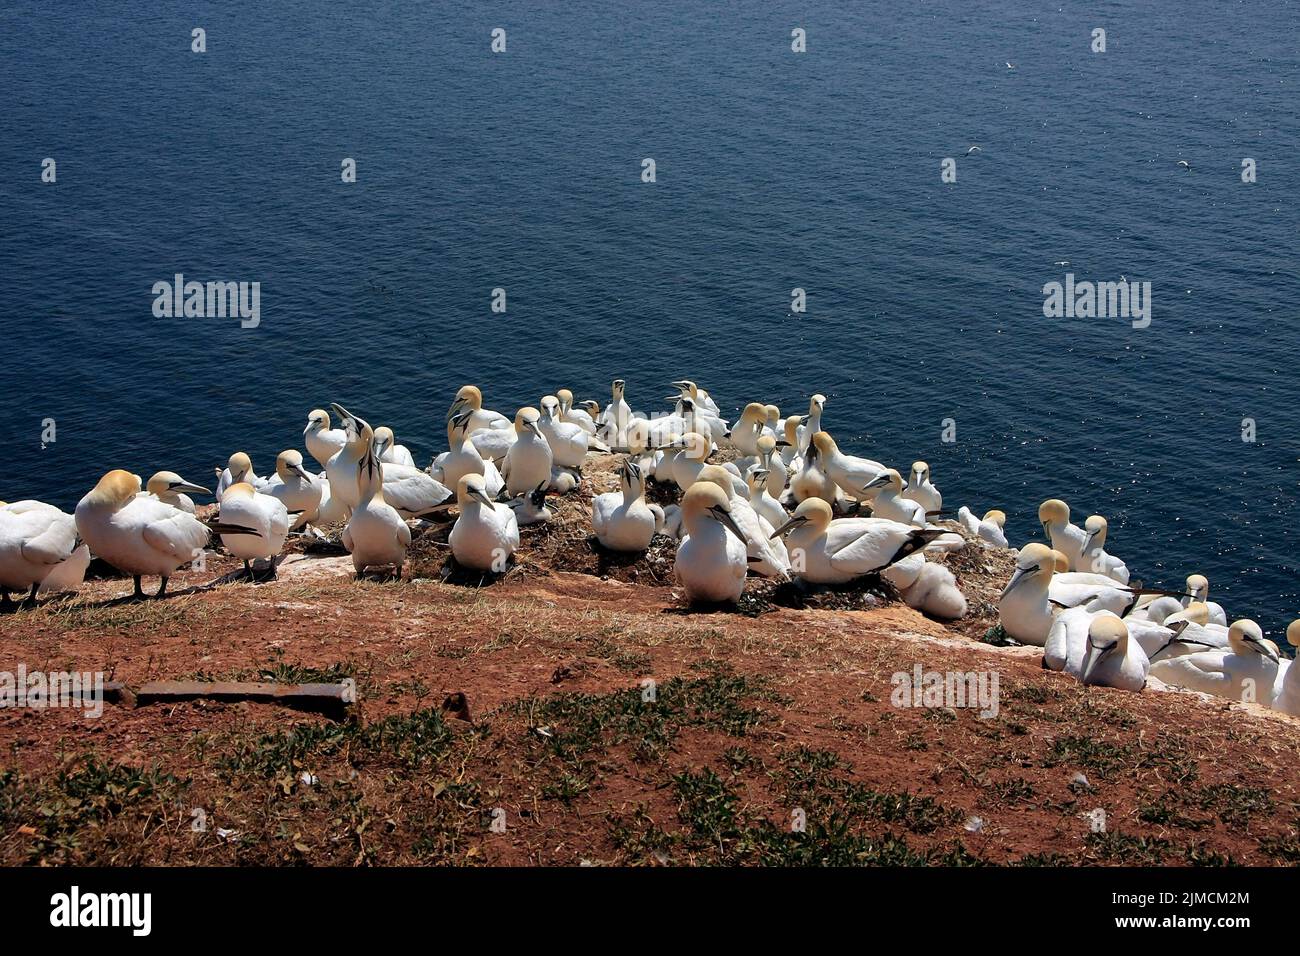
(412, 492)
(1245, 672)
(922, 490)
(712, 556)
(171, 488)
(1024, 610)
(988, 529)
(322, 442)
(1067, 538)
(529, 461)
(889, 501)
(388, 450)
(238, 468)
(579, 415)
(463, 458)
(569, 443)
(767, 552)
(1096, 559)
(811, 423)
(486, 534)
(375, 535)
(265, 515)
(301, 493)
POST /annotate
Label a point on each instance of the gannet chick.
(763, 502)
(1067, 538)
(1111, 658)
(828, 550)
(579, 416)
(811, 423)
(1286, 696)
(890, 503)
(530, 508)
(766, 552)
(388, 450)
(528, 462)
(1024, 609)
(929, 588)
(463, 459)
(265, 515)
(375, 536)
(921, 490)
(988, 529)
(1095, 557)
(140, 535)
(35, 539)
(174, 490)
(1198, 589)
(621, 519)
(769, 462)
(569, 443)
(485, 535)
(238, 468)
(812, 480)
(412, 492)
(712, 556)
(322, 442)
(855, 476)
(1245, 672)
(298, 491)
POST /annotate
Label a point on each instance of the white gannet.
(1024, 610)
(928, 587)
(762, 500)
(811, 480)
(890, 503)
(791, 456)
(300, 492)
(463, 459)
(828, 550)
(412, 492)
(35, 539)
(528, 462)
(470, 398)
(614, 421)
(388, 450)
(811, 423)
(772, 424)
(238, 468)
(921, 490)
(1245, 672)
(266, 516)
(766, 552)
(575, 416)
(322, 442)
(530, 507)
(987, 529)
(853, 475)
(1094, 591)
(141, 535)
(569, 443)
(745, 433)
(689, 453)
(621, 519)
(174, 490)
(1095, 557)
(1067, 639)
(770, 463)
(1067, 538)
(1286, 691)
(699, 396)
(1110, 657)
(692, 417)
(1181, 633)
(712, 556)
(1198, 589)
(486, 534)
(375, 536)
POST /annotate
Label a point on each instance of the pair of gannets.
(413, 493)
(490, 431)
(140, 535)
(622, 519)
(1096, 648)
(1042, 583)
(767, 554)
(238, 468)
(988, 529)
(39, 550)
(1245, 671)
(1198, 591)
(486, 533)
(569, 442)
(580, 414)
(1084, 548)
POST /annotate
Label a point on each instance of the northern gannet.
(1245, 672)
(770, 463)
(987, 529)
(463, 459)
(890, 503)
(322, 442)
(1198, 589)
(1110, 657)
(35, 539)
(388, 450)
(616, 418)
(828, 550)
(575, 416)
(238, 468)
(712, 556)
(811, 480)
(412, 492)
(791, 456)
(174, 490)
(1024, 610)
(569, 443)
(762, 501)
(469, 398)
(300, 492)
(1286, 691)
(921, 490)
(486, 534)
(1095, 557)
(621, 519)
(528, 462)
(265, 516)
(1179, 634)
(375, 535)
(854, 476)
(1067, 538)
(745, 433)
(699, 396)
(141, 535)
(811, 423)
(766, 551)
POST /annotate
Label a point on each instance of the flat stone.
(328, 699)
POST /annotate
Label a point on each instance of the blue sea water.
(775, 170)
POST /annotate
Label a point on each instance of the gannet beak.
(877, 482)
(781, 532)
(191, 489)
(725, 519)
(782, 443)
(341, 411)
(300, 472)
(537, 429)
(478, 494)
(1259, 647)
(1087, 543)
(1020, 575)
(1096, 654)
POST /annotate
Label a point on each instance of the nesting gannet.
(811, 423)
(712, 556)
(592, 410)
(569, 443)
(322, 442)
(1095, 557)
(463, 459)
(812, 480)
(1110, 657)
(530, 508)
(1181, 633)
(469, 398)
(1245, 672)
(376, 535)
(1067, 538)
(265, 515)
(890, 503)
(528, 462)
(575, 416)
(852, 474)
(690, 416)
(762, 500)
(1198, 589)
(699, 396)
(828, 550)
(238, 468)
(388, 450)
(141, 535)
(921, 490)
(1286, 691)
(174, 490)
(299, 491)
(1094, 591)
(412, 492)
(1024, 610)
(35, 539)
(485, 535)
(1067, 638)
(621, 519)
(766, 551)
(987, 529)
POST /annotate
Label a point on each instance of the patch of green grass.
(1117, 847)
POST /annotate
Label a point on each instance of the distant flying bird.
(1185, 164)
(974, 149)
(1009, 65)
(1063, 262)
